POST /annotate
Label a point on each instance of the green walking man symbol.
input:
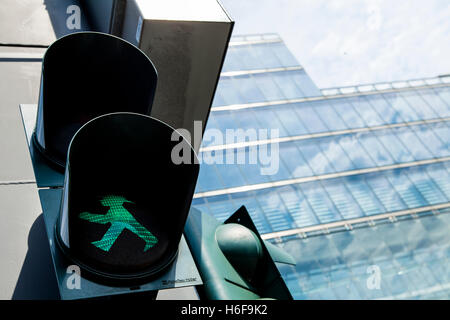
(120, 219)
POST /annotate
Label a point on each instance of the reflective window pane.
(290, 120)
(375, 149)
(305, 84)
(384, 109)
(433, 142)
(343, 199)
(419, 105)
(220, 207)
(441, 107)
(406, 189)
(328, 115)
(347, 113)
(295, 163)
(297, 206)
(385, 193)
(314, 156)
(268, 87)
(366, 111)
(409, 139)
(248, 89)
(229, 92)
(401, 106)
(287, 85)
(395, 147)
(319, 201)
(355, 151)
(310, 118)
(248, 200)
(426, 186)
(283, 54)
(363, 194)
(274, 210)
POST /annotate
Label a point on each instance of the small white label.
(139, 30)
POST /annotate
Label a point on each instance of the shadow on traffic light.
(85, 75)
(125, 200)
(233, 260)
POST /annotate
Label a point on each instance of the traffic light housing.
(85, 75)
(126, 197)
(233, 260)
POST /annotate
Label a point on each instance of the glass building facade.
(361, 194)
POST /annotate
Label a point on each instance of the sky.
(349, 42)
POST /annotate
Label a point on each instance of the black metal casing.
(85, 75)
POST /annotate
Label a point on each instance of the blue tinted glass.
(443, 132)
(435, 102)
(427, 187)
(201, 205)
(228, 91)
(208, 178)
(249, 60)
(385, 193)
(444, 94)
(365, 110)
(245, 119)
(274, 210)
(291, 122)
(342, 199)
(357, 154)
(293, 283)
(336, 156)
(269, 121)
(287, 85)
(410, 255)
(363, 194)
(283, 54)
(427, 134)
(233, 61)
(414, 145)
(230, 175)
(297, 206)
(347, 113)
(268, 87)
(218, 100)
(248, 88)
(402, 107)
(250, 168)
(267, 57)
(247, 199)
(278, 173)
(318, 200)
(314, 156)
(212, 125)
(328, 115)
(375, 149)
(294, 161)
(386, 112)
(310, 118)
(303, 81)
(406, 189)
(398, 152)
(441, 178)
(220, 207)
(224, 120)
(423, 110)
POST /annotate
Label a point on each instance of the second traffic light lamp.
(125, 198)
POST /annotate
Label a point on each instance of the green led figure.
(120, 219)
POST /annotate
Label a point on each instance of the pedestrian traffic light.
(85, 75)
(233, 260)
(128, 186)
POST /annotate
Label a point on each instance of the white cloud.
(345, 42)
